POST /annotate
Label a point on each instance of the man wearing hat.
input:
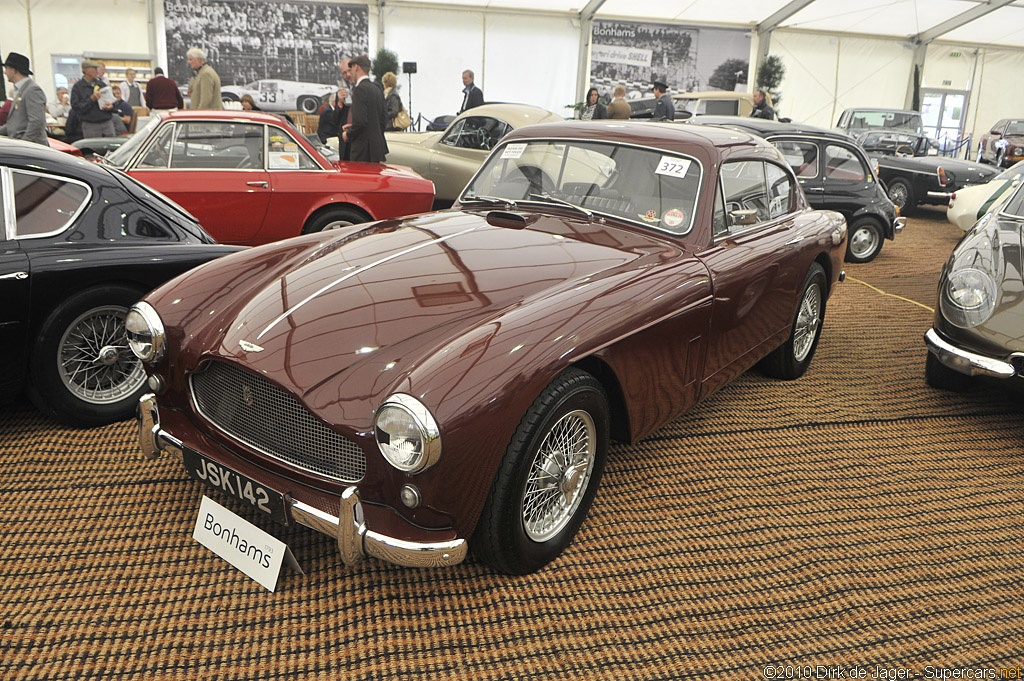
(664, 108)
(27, 120)
(95, 119)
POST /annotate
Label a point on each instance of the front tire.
(82, 371)
(865, 241)
(547, 478)
(941, 377)
(791, 359)
(902, 194)
(334, 218)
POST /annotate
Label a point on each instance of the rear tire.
(941, 377)
(547, 478)
(791, 359)
(864, 241)
(308, 105)
(82, 371)
(335, 218)
(902, 194)
(229, 97)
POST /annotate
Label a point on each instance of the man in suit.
(365, 133)
(664, 108)
(27, 120)
(472, 96)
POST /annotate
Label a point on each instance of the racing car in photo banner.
(280, 95)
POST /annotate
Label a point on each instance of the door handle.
(814, 189)
(15, 275)
(258, 183)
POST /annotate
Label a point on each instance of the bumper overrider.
(965, 361)
(898, 224)
(355, 539)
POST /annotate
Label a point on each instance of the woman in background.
(593, 109)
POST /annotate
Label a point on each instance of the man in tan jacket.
(619, 107)
(204, 87)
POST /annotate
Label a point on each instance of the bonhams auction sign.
(242, 544)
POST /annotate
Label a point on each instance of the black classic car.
(79, 244)
(979, 326)
(834, 173)
(895, 139)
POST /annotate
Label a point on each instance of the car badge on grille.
(249, 347)
(247, 396)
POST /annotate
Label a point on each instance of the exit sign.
(955, 54)
(947, 82)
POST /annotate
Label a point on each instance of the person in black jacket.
(762, 109)
(329, 124)
(365, 133)
(593, 109)
(472, 96)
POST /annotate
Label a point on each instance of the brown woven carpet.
(853, 517)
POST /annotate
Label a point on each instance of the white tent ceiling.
(892, 18)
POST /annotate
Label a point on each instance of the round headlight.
(407, 434)
(968, 297)
(145, 332)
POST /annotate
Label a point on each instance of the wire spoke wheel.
(807, 321)
(559, 475)
(94, 361)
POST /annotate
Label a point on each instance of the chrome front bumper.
(355, 539)
(898, 224)
(964, 361)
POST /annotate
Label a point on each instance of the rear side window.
(46, 204)
(843, 164)
(225, 146)
(802, 157)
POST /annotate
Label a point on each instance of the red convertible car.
(250, 178)
(418, 387)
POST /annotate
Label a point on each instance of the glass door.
(942, 115)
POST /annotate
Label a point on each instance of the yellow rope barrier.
(891, 295)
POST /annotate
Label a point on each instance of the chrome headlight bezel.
(417, 419)
(968, 298)
(146, 335)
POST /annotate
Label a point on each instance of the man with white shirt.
(131, 91)
(365, 133)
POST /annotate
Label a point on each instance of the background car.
(978, 330)
(968, 205)
(450, 158)
(835, 174)
(413, 387)
(1003, 144)
(895, 139)
(250, 178)
(273, 94)
(79, 244)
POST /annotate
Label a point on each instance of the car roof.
(516, 115)
(763, 127)
(34, 156)
(226, 115)
(706, 141)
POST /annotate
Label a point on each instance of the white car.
(280, 95)
(967, 205)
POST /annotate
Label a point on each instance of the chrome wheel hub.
(93, 359)
(863, 242)
(807, 321)
(559, 475)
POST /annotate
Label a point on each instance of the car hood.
(958, 171)
(386, 296)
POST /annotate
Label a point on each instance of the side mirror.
(743, 216)
(683, 115)
(995, 132)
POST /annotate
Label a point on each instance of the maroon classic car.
(1003, 144)
(250, 178)
(418, 387)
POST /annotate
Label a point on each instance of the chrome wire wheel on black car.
(94, 360)
(548, 476)
(82, 371)
(559, 474)
(902, 194)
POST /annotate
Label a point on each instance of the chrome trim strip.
(7, 203)
(12, 225)
(284, 315)
(964, 361)
(939, 195)
(14, 275)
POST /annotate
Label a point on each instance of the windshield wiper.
(508, 203)
(563, 202)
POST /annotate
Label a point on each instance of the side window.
(780, 190)
(746, 199)
(159, 154)
(802, 157)
(44, 204)
(719, 222)
(218, 146)
(843, 164)
(476, 132)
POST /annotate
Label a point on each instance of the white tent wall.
(826, 73)
(515, 57)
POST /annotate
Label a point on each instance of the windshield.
(1014, 172)
(119, 157)
(901, 120)
(686, 104)
(1015, 206)
(1015, 128)
(647, 186)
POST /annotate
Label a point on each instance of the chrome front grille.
(253, 410)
